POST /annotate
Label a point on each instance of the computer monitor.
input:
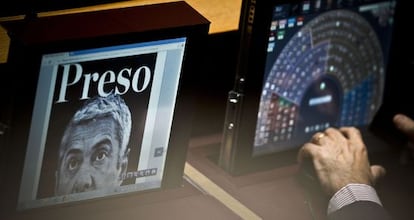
(135, 85)
(307, 65)
(100, 112)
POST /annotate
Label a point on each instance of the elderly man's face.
(90, 159)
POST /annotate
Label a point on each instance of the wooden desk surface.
(224, 16)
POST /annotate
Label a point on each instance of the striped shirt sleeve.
(352, 193)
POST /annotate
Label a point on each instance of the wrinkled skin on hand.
(340, 157)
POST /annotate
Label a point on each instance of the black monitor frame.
(30, 40)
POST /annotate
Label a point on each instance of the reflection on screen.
(325, 66)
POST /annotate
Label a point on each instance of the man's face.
(90, 159)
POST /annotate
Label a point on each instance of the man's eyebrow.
(74, 151)
(105, 141)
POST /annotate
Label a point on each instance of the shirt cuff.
(352, 193)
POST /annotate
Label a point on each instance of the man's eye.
(73, 164)
(100, 156)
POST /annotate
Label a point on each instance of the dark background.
(216, 79)
(30, 7)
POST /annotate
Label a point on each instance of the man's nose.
(84, 180)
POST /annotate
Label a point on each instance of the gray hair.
(112, 106)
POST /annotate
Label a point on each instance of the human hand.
(340, 157)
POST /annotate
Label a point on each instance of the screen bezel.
(24, 61)
(237, 144)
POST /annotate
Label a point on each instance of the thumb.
(377, 172)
